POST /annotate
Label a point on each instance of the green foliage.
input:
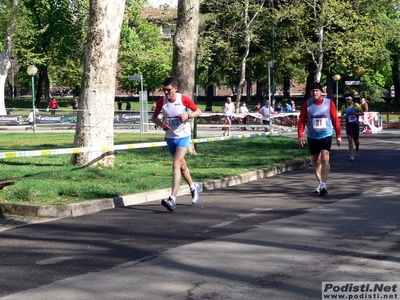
(51, 34)
(351, 33)
(143, 51)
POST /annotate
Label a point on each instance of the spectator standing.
(364, 105)
(128, 105)
(74, 104)
(244, 110)
(229, 110)
(257, 107)
(288, 107)
(279, 108)
(351, 111)
(266, 111)
(293, 105)
(119, 104)
(174, 107)
(321, 117)
(53, 105)
(365, 108)
(31, 117)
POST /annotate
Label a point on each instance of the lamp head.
(32, 70)
(360, 71)
(336, 77)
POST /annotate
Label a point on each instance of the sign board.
(357, 82)
(135, 77)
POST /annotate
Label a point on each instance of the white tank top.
(170, 111)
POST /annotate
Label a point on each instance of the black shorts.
(317, 145)
(265, 122)
(353, 130)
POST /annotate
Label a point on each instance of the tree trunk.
(185, 48)
(248, 24)
(260, 91)
(95, 125)
(210, 96)
(287, 82)
(185, 45)
(395, 77)
(5, 55)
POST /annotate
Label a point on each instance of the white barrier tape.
(124, 147)
(255, 126)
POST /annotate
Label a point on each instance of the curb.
(97, 205)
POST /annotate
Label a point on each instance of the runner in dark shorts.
(317, 145)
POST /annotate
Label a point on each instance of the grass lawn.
(54, 180)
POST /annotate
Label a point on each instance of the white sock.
(192, 186)
(173, 198)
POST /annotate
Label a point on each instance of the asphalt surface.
(266, 239)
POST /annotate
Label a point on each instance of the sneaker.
(323, 190)
(195, 193)
(318, 189)
(357, 152)
(168, 204)
(352, 158)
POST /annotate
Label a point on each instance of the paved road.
(267, 239)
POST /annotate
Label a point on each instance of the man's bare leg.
(178, 165)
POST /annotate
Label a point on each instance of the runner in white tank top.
(176, 125)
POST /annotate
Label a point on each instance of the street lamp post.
(337, 78)
(32, 71)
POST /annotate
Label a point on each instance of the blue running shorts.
(178, 142)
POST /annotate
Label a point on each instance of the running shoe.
(195, 193)
(318, 189)
(323, 190)
(352, 158)
(168, 204)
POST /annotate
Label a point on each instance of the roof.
(163, 12)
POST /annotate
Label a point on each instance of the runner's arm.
(156, 112)
(302, 120)
(335, 121)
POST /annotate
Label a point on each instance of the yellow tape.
(121, 147)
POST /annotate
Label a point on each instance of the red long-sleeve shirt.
(304, 116)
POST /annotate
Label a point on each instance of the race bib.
(352, 118)
(174, 122)
(320, 124)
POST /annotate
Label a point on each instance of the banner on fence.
(119, 118)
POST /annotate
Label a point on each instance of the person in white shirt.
(229, 110)
(244, 110)
(175, 109)
(266, 111)
(31, 117)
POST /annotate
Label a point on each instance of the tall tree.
(95, 125)
(10, 17)
(49, 33)
(185, 45)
